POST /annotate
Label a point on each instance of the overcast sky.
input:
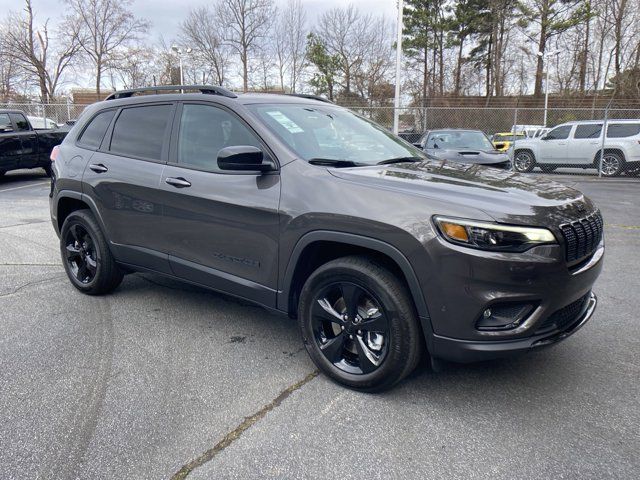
(166, 15)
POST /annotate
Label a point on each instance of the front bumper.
(465, 351)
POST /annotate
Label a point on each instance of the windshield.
(332, 133)
(458, 139)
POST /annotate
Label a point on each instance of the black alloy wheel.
(350, 328)
(82, 258)
(86, 256)
(359, 323)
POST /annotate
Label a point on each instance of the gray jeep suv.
(381, 253)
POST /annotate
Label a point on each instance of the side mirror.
(244, 158)
(544, 137)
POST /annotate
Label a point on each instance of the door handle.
(98, 168)
(178, 182)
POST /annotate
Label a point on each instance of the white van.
(578, 144)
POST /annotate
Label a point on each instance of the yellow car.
(502, 141)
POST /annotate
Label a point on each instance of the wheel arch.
(616, 150)
(68, 201)
(318, 247)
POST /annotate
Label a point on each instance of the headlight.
(492, 236)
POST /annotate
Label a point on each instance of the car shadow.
(18, 176)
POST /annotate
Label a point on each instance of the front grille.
(564, 317)
(582, 236)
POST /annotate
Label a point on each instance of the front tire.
(359, 324)
(86, 256)
(523, 161)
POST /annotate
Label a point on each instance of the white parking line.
(24, 186)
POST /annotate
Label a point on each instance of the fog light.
(504, 316)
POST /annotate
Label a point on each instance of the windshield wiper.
(400, 160)
(333, 162)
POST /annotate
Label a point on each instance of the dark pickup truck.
(23, 147)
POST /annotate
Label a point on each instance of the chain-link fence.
(522, 135)
(519, 132)
(50, 115)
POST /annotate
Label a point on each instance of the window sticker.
(285, 121)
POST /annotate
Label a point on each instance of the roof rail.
(310, 97)
(208, 89)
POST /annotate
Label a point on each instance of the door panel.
(10, 146)
(28, 141)
(554, 148)
(126, 187)
(587, 140)
(222, 229)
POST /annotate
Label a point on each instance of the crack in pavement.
(235, 434)
(627, 227)
(31, 265)
(29, 284)
(23, 224)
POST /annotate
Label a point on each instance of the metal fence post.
(513, 130)
(604, 135)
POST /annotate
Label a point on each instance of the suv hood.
(505, 196)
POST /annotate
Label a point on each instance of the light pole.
(546, 81)
(396, 103)
(179, 52)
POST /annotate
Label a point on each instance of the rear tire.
(523, 161)
(612, 164)
(370, 343)
(86, 256)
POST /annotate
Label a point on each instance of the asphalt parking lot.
(162, 380)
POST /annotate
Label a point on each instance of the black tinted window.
(94, 133)
(559, 133)
(619, 130)
(21, 123)
(140, 131)
(5, 123)
(588, 131)
(204, 131)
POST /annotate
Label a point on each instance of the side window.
(140, 131)
(5, 123)
(620, 130)
(559, 133)
(95, 130)
(21, 123)
(204, 131)
(588, 131)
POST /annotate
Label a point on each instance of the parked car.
(40, 123)
(381, 254)
(578, 145)
(502, 141)
(21, 146)
(464, 146)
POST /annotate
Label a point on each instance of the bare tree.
(9, 71)
(202, 32)
(104, 26)
(289, 43)
(134, 66)
(41, 53)
(246, 25)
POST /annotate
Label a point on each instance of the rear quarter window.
(620, 130)
(94, 132)
(140, 132)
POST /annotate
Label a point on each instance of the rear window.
(21, 122)
(619, 130)
(94, 132)
(588, 131)
(140, 131)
